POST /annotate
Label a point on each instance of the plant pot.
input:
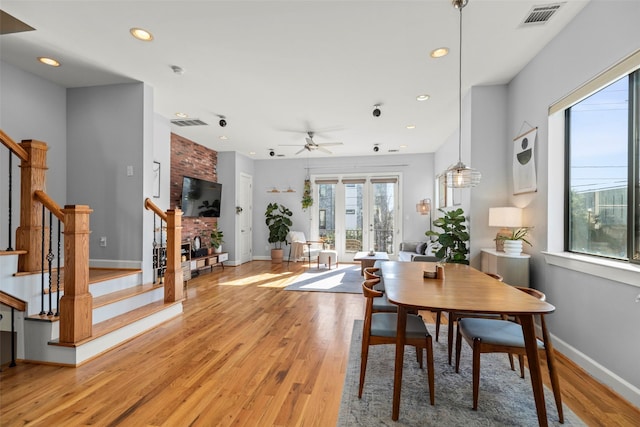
(276, 256)
(218, 249)
(513, 247)
(210, 251)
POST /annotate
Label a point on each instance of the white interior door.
(244, 210)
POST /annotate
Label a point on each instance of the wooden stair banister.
(49, 203)
(173, 281)
(13, 146)
(148, 204)
(12, 302)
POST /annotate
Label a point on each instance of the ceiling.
(277, 69)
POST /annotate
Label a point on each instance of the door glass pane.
(353, 217)
(383, 217)
(327, 214)
(598, 138)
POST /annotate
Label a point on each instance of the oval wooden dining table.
(468, 290)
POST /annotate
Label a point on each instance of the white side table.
(513, 268)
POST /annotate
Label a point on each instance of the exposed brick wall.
(191, 159)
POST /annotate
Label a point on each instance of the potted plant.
(307, 200)
(452, 241)
(216, 239)
(513, 242)
(277, 218)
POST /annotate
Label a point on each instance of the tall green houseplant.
(452, 241)
(277, 218)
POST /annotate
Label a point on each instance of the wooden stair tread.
(96, 275)
(124, 294)
(110, 325)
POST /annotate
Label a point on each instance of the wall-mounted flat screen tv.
(200, 197)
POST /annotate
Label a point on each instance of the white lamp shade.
(505, 217)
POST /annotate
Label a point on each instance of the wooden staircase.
(122, 309)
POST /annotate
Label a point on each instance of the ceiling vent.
(541, 14)
(188, 122)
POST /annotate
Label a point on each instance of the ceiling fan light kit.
(460, 175)
(311, 145)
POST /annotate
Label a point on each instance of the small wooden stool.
(327, 257)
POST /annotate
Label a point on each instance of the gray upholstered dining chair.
(380, 328)
(452, 318)
(504, 336)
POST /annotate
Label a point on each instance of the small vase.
(513, 247)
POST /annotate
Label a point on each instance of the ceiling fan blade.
(291, 145)
(324, 150)
(329, 144)
(301, 151)
(310, 141)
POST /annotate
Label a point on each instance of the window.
(602, 177)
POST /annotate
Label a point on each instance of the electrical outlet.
(103, 241)
(129, 170)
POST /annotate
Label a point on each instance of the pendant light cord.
(460, 92)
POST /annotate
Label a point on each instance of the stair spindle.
(49, 263)
(9, 248)
(42, 312)
(58, 275)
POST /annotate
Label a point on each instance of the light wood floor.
(244, 352)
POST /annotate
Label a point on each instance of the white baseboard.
(114, 263)
(262, 258)
(599, 372)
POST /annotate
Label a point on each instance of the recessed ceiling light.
(422, 97)
(141, 34)
(252, 152)
(49, 61)
(440, 52)
(411, 126)
(223, 137)
(403, 146)
(182, 115)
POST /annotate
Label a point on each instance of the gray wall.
(106, 136)
(596, 321)
(31, 108)
(417, 175)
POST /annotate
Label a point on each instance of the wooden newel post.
(29, 232)
(173, 285)
(76, 306)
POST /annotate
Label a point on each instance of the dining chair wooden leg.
(430, 373)
(419, 356)
(363, 362)
(521, 363)
(476, 372)
(458, 348)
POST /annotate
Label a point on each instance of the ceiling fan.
(311, 145)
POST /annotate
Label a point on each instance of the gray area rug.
(505, 399)
(346, 278)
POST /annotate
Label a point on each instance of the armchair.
(303, 248)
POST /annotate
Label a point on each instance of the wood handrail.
(49, 203)
(12, 301)
(15, 148)
(148, 204)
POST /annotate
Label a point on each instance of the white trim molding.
(610, 269)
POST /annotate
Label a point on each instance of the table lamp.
(507, 218)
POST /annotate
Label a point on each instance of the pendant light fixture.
(459, 175)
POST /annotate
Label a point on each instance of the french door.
(356, 214)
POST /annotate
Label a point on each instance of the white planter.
(513, 247)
